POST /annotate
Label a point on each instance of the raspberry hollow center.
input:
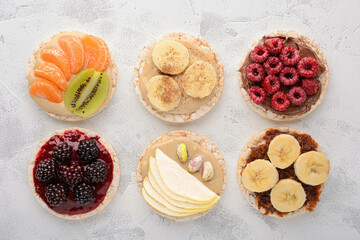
(288, 75)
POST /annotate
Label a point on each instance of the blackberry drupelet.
(83, 194)
(56, 194)
(45, 170)
(72, 174)
(62, 153)
(88, 150)
(96, 172)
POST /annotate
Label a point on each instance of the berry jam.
(73, 138)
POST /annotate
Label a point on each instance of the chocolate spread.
(260, 152)
(305, 51)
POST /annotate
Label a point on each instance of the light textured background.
(230, 27)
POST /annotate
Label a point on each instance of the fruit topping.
(182, 152)
(72, 174)
(52, 73)
(56, 194)
(287, 195)
(88, 150)
(59, 58)
(259, 54)
(45, 170)
(97, 53)
(308, 67)
(74, 49)
(255, 72)
(273, 65)
(96, 172)
(83, 194)
(280, 101)
(62, 153)
(310, 86)
(290, 56)
(297, 95)
(257, 94)
(283, 150)
(289, 76)
(87, 92)
(275, 45)
(195, 164)
(207, 171)
(45, 89)
(271, 84)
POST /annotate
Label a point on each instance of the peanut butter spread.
(187, 104)
(169, 147)
(305, 51)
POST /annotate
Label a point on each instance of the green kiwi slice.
(86, 92)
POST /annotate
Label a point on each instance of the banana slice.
(259, 176)
(287, 195)
(170, 57)
(312, 168)
(199, 79)
(283, 150)
(163, 93)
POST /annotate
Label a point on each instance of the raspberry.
(72, 174)
(255, 72)
(88, 150)
(273, 65)
(308, 67)
(257, 95)
(280, 101)
(290, 56)
(56, 194)
(96, 171)
(297, 95)
(62, 153)
(310, 86)
(271, 84)
(275, 45)
(83, 194)
(45, 170)
(259, 54)
(289, 76)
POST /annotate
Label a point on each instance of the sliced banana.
(163, 93)
(199, 79)
(170, 57)
(287, 195)
(259, 176)
(283, 150)
(312, 168)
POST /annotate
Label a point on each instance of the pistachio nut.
(182, 152)
(207, 171)
(195, 164)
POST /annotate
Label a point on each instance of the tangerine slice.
(45, 89)
(97, 53)
(59, 58)
(51, 72)
(74, 49)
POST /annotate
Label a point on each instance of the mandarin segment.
(74, 49)
(59, 58)
(43, 88)
(97, 53)
(51, 72)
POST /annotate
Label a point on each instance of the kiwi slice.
(86, 92)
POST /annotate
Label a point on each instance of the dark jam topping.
(260, 152)
(70, 207)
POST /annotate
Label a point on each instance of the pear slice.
(180, 182)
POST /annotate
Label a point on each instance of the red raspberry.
(280, 101)
(297, 95)
(259, 54)
(255, 72)
(310, 86)
(275, 45)
(271, 84)
(257, 95)
(289, 76)
(273, 65)
(308, 67)
(290, 56)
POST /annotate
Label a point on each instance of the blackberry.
(56, 194)
(96, 171)
(45, 170)
(62, 153)
(88, 150)
(72, 174)
(83, 194)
